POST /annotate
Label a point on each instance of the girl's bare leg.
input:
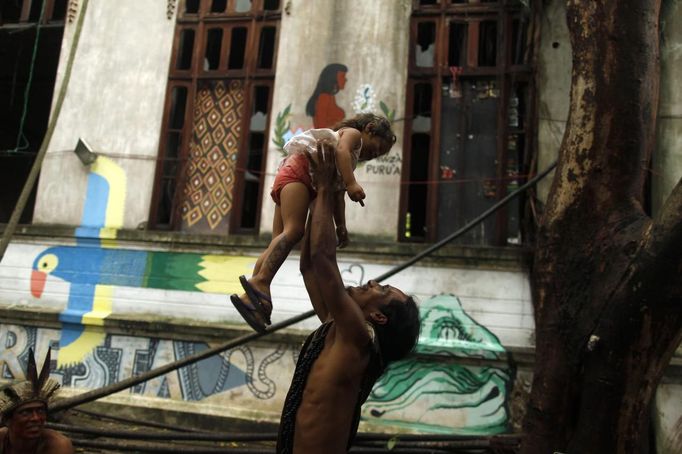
(294, 208)
(277, 227)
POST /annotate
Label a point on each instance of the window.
(466, 127)
(209, 178)
(28, 70)
(33, 11)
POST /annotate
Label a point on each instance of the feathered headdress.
(38, 387)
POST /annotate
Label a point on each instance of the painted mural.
(89, 302)
(323, 108)
(95, 266)
(210, 173)
(322, 105)
(431, 391)
(93, 272)
(250, 371)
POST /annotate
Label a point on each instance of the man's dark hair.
(399, 335)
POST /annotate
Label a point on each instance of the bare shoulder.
(350, 342)
(349, 136)
(56, 443)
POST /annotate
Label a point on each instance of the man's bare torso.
(329, 400)
(50, 442)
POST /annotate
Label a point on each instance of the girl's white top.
(307, 141)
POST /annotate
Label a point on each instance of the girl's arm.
(349, 140)
(340, 219)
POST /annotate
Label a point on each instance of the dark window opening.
(421, 120)
(178, 102)
(186, 49)
(415, 219)
(519, 37)
(487, 44)
(428, 2)
(237, 48)
(59, 10)
(218, 6)
(213, 44)
(457, 44)
(10, 12)
(191, 6)
(271, 5)
(23, 120)
(262, 94)
(425, 49)
(36, 10)
(266, 49)
(252, 181)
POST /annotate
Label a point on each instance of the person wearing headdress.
(23, 413)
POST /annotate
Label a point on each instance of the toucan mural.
(94, 266)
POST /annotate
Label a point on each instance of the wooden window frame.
(505, 74)
(251, 76)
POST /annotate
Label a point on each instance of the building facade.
(126, 263)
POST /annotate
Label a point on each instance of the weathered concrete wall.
(667, 163)
(667, 418)
(554, 84)
(114, 101)
(371, 40)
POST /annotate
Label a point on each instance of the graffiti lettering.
(13, 345)
(382, 169)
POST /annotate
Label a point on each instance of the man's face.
(372, 296)
(27, 420)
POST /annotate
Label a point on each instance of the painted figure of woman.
(322, 104)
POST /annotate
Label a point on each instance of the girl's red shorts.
(294, 169)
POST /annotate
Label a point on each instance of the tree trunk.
(605, 275)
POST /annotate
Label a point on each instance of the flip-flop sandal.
(247, 311)
(256, 297)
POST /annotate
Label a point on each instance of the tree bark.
(605, 275)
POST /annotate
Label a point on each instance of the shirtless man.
(23, 412)
(26, 433)
(364, 328)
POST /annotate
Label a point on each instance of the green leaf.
(384, 107)
(391, 443)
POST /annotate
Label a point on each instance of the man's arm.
(349, 319)
(309, 278)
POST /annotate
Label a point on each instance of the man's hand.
(323, 169)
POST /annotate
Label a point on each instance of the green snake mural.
(436, 394)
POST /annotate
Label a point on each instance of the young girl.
(361, 138)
